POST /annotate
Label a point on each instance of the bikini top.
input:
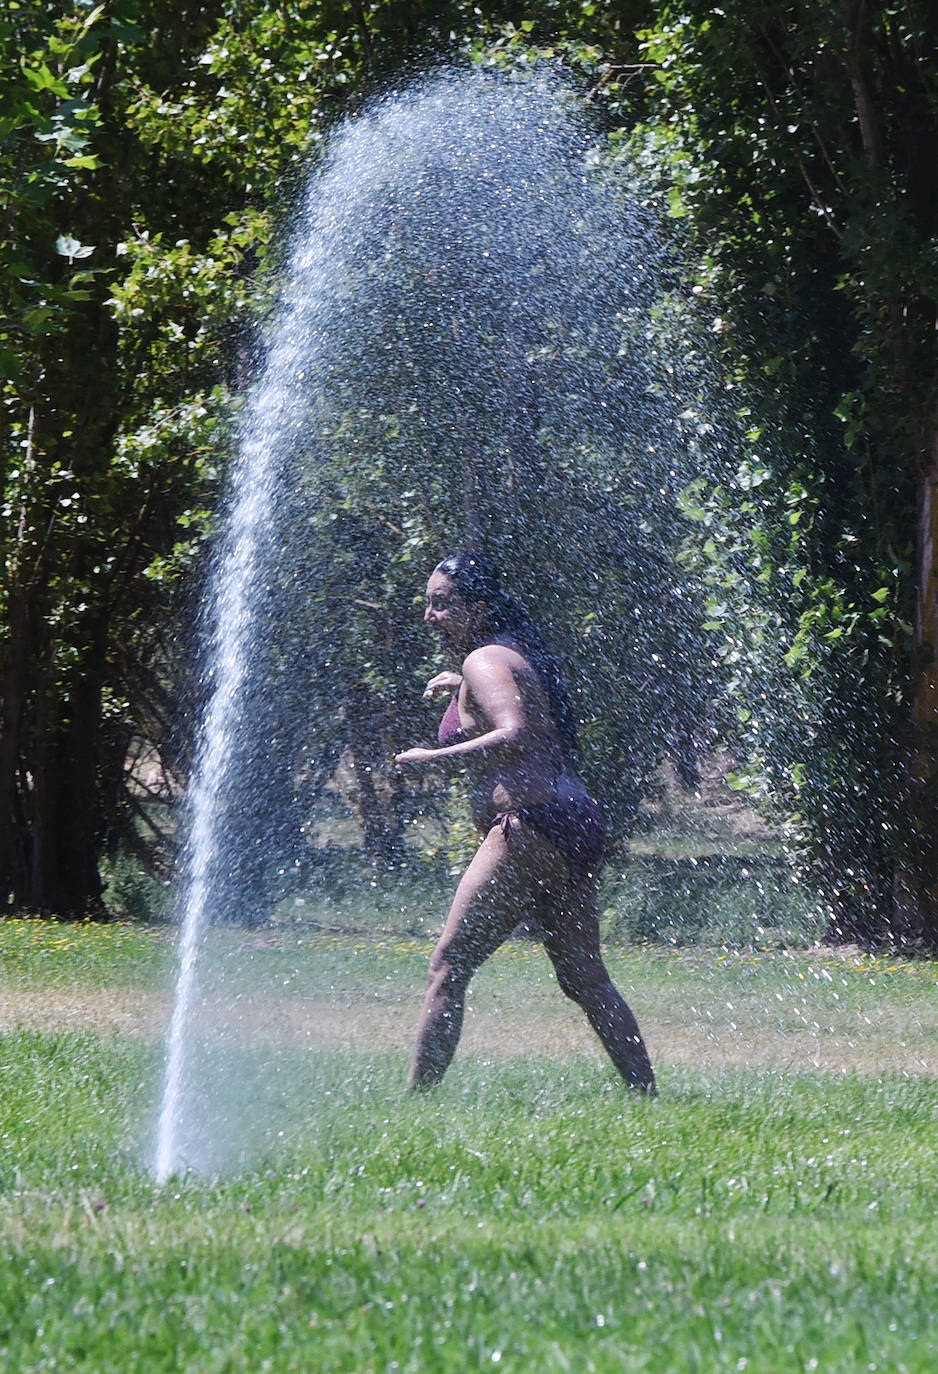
(450, 731)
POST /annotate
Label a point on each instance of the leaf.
(676, 208)
(9, 365)
(68, 247)
(737, 782)
(124, 32)
(41, 79)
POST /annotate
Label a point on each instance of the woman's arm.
(443, 682)
(494, 692)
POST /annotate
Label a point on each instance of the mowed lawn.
(774, 1209)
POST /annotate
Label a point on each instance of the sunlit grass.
(34, 952)
(527, 1216)
(293, 985)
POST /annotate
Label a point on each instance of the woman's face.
(448, 614)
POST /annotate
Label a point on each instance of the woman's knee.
(586, 987)
(571, 982)
(447, 974)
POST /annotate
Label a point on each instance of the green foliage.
(150, 158)
(110, 424)
(752, 901)
(133, 234)
(149, 164)
(800, 142)
(132, 892)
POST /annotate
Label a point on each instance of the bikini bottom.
(573, 826)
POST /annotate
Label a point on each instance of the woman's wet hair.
(476, 579)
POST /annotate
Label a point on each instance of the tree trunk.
(382, 832)
(915, 898)
(475, 516)
(13, 690)
(66, 837)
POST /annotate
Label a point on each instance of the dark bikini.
(450, 731)
(572, 825)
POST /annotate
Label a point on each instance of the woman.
(511, 723)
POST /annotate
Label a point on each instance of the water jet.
(469, 349)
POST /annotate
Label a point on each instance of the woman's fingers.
(443, 682)
(414, 756)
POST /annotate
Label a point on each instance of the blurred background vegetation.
(151, 159)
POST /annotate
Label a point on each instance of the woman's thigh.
(502, 886)
(570, 930)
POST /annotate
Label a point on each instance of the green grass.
(527, 1216)
(45, 954)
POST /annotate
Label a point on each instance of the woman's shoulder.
(495, 657)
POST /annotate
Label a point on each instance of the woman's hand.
(418, 755)
(443, 682)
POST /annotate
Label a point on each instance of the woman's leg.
(571, 938)
(491, 898)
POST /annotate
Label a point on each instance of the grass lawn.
(774, 1210)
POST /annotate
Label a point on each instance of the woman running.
(510, 722)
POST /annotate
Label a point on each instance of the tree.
(123, 260)
(145, 150)
(802, 141)
(152, 158)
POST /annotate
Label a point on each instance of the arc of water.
(233, 614)
(269, 429)
(452, 197)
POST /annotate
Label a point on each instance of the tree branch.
(856, 18)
